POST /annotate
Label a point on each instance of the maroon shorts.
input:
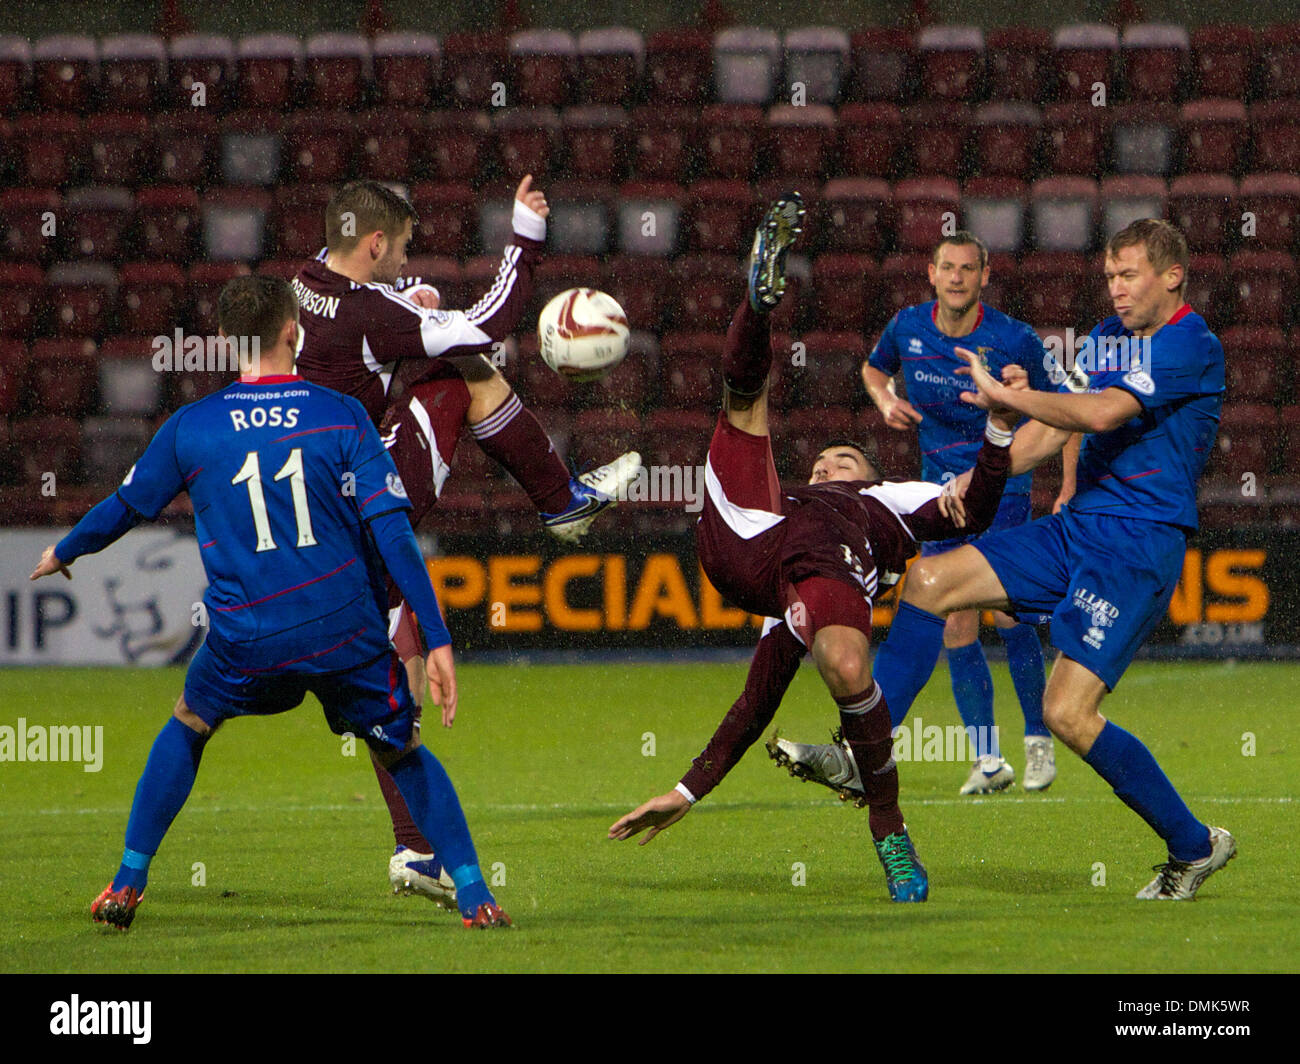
(766, 561)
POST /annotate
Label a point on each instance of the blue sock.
(972, 687)
(906, 658)
(1127, 765)
(1025, 658)
(164, 786)
(436, 810)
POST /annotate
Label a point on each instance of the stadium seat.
(527, 140)
(83, 297)
(610, 64)
(870, 140)
(298, 220)
(599, 433)
(539, 386)
(1076, 137)
(1265, 283)
(1254, 358)
(883, 62)
(320, 145)
(856, 215)
(649, 217)
(800, 141)
(1223, 57)
(710, 287)
(936, 133)
(746, 65)
(388, 141)
(118, 148)
(1020, 64)
(729, 139)
(645, 288)
(22, 299)
(1213, 134)
(633, 383)
(203, 283)
(579, 223)
(337, 67)
(905, 281)
(1275, 134)
(65, 69)
(1143, 138)
(44, 445)
(152, 297)
(446, 213)
(920, 204)
(829, 376)
(817, 57)
(201, 66)
(129, 386)
(1279, 67)
(1289, 422)
(234, 223)
(132, 71)
(97, 219)
(1271, 204)
(285, 269)
(663, 142)
(168, 222)
(802, 435)
(29, 219)
(472, 64)
(1249, 434)
(679, 67)
(15, 72)
(13, 375)
(690, 369)
(951, 61)
(407, 67)
(494, 220)
(597, 139)
(1126, 199)
(111, 445)
(1064, 212)
(846, 292)
(184, 147)
(558, 273)
(1204, 207)
(898, 454)
(1003, 288)
(677, 437)
(994, 208)
(1208, 289)
(1006, 139)
(51, 148)
(1052, 285)
(1085, 56)
(61, 376)
(543, 66)
(1156, 60)
(252, 148)
(454, 145)
(270, 67)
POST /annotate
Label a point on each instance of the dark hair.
(962, 238)
(1165, 244)
(256, 306)
(372, 207)
(866, 450)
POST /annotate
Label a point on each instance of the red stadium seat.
(153, 297)
(527, 140)
(1003, 288)
(537, 384)
(1126, 199)
(951, 61)
(111, 445)
(234, 223)
(905, 281)
(22, 298)
(710, 288)
(800, 140)
(936, 133)
(1265, 283)
(66, 72)
(994, 209)
(30, 218)
(1249, 438)
(128, 383)
(1279, 53)
(1223, 57)
(610, 62)
(817, 57)
(856, 215)
(472, 64)
(270, 66)
(1275, 132)
(97, 220)
(13, 375)
(1254, 357)
(1289, 421)
(679, 67)
(1272, 202)
(1204, 207)
(83, 297)
(320, 145)
(1085, 56)
(1208, 289)
(729, 137)
(1213, 134)
(446, 275)
(51, 148)
(48, 445)
(883, 61)
(803, 434)
(169, 222)
(201, 67)
(132, 71)
(649, 216)
(829, 375)
(1076, 138)
(1052, 287)
(600, 433)
(61, 377)
(746, 64)
(597, 138)
(1006, 139)
(633, 382)
(252, 148)
(645, 289)
(1020, 64)
(690, 369)
(1064, 211)
(663, 141)
(387, 143)
(337, 66)
(184, 146)
(407, 68)
(119, 147)
(298, 220)
(15, 72)
(454, 145)
(543, 66)
(721, 215)
(677, 437)
(870, 141)
(920, 204)
(1155, 58)
(204, 282)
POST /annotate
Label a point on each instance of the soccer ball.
(582, 334)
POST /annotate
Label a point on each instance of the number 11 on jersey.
(251, 474)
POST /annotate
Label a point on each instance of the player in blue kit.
(298, 512)
(921, 343)
(1147, 389)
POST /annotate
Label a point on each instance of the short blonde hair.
(1165, 244)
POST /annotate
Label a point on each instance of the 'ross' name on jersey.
(259, 417)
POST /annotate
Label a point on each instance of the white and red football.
(582, 334)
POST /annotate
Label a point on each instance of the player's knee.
(844, 665)
(1068, 722)
(928, 585)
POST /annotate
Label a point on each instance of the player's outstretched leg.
(779, 229)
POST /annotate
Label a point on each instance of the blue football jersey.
(951, 432)
(1148, 467)
(282, 475)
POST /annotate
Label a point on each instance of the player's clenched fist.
(532, 198)
(656, 814)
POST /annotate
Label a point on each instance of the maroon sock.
(512, 437)
(404, 830)
(747, 356)
(864, 719)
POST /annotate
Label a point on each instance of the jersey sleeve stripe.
(507, 275)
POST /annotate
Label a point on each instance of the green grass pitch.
(278, 862)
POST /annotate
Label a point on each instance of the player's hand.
(424, 295)
(1067, 493)
(1016, 378)
(532, 198)
(900, 414)
(992, 394)
(656, 814)
(951, 504)
(50, 564)
(442, 682)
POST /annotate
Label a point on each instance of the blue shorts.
(371, 701)
(1106, 581)
(1013, 511)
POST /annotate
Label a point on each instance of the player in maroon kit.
(421, 374)
(812, 560)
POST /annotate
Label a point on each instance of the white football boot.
(593, 494)
(990, 773)
(421, 873)
(1040, 762)
(1179, 880)
(830, 764)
